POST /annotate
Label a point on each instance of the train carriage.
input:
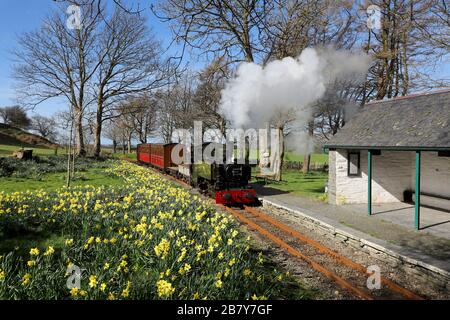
(143, 153)
(156, 154)
(228, 183)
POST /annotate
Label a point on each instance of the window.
(354, 164)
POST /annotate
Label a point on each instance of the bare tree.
(124, 122)
(113, 133)
(400, 48)
(167, 113)
(219, 28)
(55, 61)
(206, 98)
(44, 126)
(130, 65)
(143, 117)
(15, 116)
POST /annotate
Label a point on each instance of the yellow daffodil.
(164, 288)
(92, 281)
(218, 284)
(26, 279)
(74, 292)
(50, 251)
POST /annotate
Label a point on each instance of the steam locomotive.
(227, 182)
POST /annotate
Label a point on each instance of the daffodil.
(74, 292)
(218, 284)
(162, 249)
(26, 279)
(31, 263)
(164, 288)
(92, 281)
(50, 251)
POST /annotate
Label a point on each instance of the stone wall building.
(392, 148)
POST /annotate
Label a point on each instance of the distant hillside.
(12, 136)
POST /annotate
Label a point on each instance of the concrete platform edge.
(430, 271)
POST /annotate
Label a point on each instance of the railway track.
(346, 273)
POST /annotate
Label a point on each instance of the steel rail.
(340, 258)
(316, 266)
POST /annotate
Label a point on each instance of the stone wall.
(435, 177)
(391, 175)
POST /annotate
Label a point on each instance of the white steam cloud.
(289, 86)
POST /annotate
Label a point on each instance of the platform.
(389, 230)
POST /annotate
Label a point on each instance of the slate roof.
(419, 121)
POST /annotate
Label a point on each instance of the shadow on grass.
(23, 241)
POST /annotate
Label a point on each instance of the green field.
(49, 173)
(315, 157)
(7, 150)
(319, 158)
(53, 181)
(311, 185)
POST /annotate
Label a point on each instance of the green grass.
(319, 158)
(19, 241)
(126, 156)
(311, 185)
(7, 150)
(315, 157)
(54, 181)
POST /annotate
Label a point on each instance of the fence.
(297, 165)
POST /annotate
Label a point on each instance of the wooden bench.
(429, 200)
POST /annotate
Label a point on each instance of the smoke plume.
(286, 88)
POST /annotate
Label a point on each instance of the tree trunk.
(98, 136)
(129, 143)
(307, 159)
(114, 146)
(69, 154)
(278, 165)
(306, 163)
(98, 124)
(80, 150)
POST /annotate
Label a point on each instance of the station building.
(394, 150)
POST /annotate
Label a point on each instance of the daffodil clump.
(147, 239)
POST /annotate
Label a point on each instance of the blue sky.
(18, 16)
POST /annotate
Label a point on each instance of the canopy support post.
(417, 192)
(369, 182)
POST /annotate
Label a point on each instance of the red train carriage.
(143, 153)
(158, 155)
